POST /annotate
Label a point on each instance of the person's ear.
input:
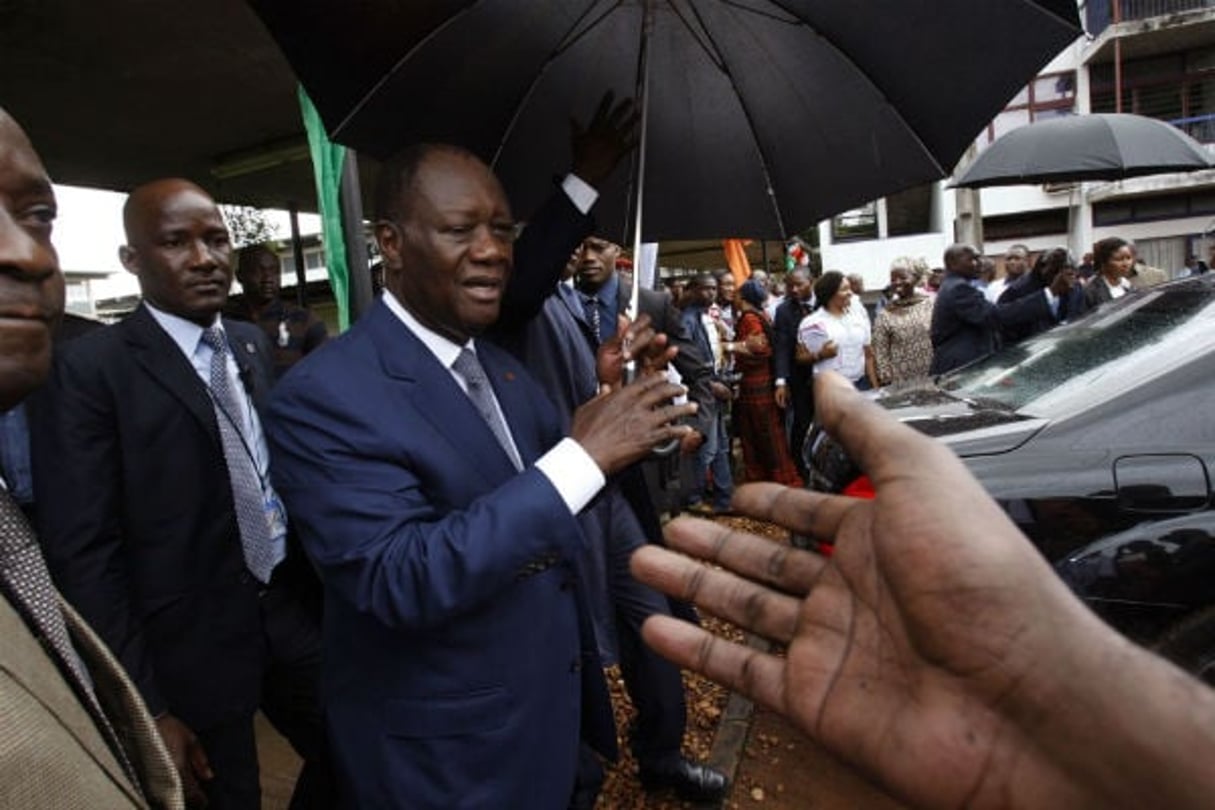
(129, 258)
(388, 237)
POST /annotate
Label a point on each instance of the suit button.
(567, 584)
(245, 578)
(576, 666)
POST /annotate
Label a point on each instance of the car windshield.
(1132, 337)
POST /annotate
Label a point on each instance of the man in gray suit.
(76, 734)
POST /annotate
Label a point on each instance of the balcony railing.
(1099, 14)
(1199, 127)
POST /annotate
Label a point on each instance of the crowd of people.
(925, 322)
(410, 546)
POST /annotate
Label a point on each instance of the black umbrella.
(1085, 147)
(764, 116)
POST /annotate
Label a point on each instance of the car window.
(1127, 339)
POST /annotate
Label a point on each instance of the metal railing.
(1099, 14)
(1199, 127)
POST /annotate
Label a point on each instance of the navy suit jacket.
(459, 665)
(965, 325)
(1070, 307)
(136, 517)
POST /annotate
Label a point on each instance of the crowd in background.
(770, 334)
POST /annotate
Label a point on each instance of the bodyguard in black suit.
(653, 683)
(965, 325)
(147, 519)
(794, 378)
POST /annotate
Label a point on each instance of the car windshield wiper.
(978, 403)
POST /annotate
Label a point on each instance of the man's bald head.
(962, 260)
(146, 202)
(31, 286)
(179, 249)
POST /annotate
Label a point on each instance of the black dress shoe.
(691, 781)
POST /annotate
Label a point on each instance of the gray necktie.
(479, 391)
(248, 495)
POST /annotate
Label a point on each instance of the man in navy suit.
(965, 325)
(555, 347)
(157, 516)
(436, 494)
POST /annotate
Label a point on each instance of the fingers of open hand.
(754, 607)
(883, 447)
(798, 510)
(789, 569)
(758, 675)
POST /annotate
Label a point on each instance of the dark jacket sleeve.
(691, 362)
(541, 253)
(784, 340)
(78, 487)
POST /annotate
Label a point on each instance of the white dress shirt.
(568, 467)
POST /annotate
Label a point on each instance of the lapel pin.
(251, 348)
(510, 375)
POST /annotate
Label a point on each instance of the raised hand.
(610, 135)
(935, 650)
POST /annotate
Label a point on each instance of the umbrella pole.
(643, 95)
(643, 98)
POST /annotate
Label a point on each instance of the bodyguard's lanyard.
(244, 440)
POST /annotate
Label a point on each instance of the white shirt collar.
(186, 334)
(444, 350)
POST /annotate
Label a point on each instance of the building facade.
(1150, 57)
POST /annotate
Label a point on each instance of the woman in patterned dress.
(902, 335)
(760, 423)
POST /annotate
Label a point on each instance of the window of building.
(1178, 88)
(1196, 203)
(1049, 96)
(909, 212)
(859, 223)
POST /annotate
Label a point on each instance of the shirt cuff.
(780, 381)
(573, 473)
(580, 192)
(1052, 301)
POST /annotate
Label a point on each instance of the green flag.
(327, 161)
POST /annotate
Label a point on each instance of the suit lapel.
(572, 301)
(127, 715)
(27, 663)
(435, 395)
(155, 351)
(248, 360)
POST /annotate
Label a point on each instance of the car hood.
(968, 426)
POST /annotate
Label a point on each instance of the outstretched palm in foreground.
(935, 650)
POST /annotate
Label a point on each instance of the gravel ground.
(706, 701)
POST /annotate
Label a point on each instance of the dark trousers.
(291, 701)
(654, 684)
(801, 396)
(636, 491)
